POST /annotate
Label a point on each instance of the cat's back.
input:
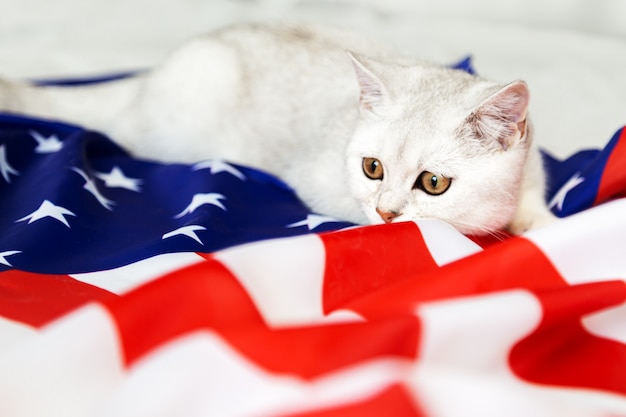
(285, 60)
(293, 41)
(293, 83)
(263, 93)
(286, 68)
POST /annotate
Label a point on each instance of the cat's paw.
(529, 220)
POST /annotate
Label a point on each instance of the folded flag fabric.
(588, 177)
(136, 288)
(78, 187)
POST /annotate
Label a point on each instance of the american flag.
(135, 288)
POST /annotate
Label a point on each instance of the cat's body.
(352, 135)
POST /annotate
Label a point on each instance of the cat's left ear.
(503, 116)
(373, 91)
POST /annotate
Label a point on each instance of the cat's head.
(433, 142)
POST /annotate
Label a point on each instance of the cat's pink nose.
(387, 216)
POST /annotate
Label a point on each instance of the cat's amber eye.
(433, 184)
(373, 168)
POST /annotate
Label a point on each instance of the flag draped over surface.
(135, 288)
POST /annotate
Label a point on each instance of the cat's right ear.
(373, 92)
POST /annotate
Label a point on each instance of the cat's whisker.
(497, 234)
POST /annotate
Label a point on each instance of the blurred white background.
(571, 52)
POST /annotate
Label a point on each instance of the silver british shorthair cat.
(360, 133)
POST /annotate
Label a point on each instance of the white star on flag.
(217, 165)
(559, 197)
(5, 254)
(312, 221)
(200, 200)
(48, 209)
(5, 168)
(117, 179)
(90, 186)
(189, 231)
(46, 144)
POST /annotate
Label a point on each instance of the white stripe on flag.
(610, 323)
(13, 332)
(463, 363)
(476, 332)
(588, 246)
(125, 278)
(69, 369)
(445, 243)
(285, 279)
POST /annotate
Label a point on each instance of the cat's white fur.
(291, 100)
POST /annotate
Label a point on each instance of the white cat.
(371, 140)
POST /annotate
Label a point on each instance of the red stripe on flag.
(485, 241)
(394, 401)
(205, 295)
(515, 263)
(208, 296)
(363, 260)
(312, 351)
(37, 299)
(613, 181)
(562, 352)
